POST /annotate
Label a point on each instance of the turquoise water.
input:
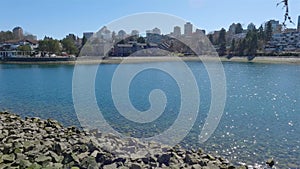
(260, 120)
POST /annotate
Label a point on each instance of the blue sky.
(57, 18)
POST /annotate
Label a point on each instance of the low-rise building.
(14, 44)
(284, 42)
(124, 50)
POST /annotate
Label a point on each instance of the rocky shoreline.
(34, 143)
(149, 59)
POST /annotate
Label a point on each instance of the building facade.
(276, 26)
(284, 42)
(177, 31)
(188, 29)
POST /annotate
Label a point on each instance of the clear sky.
(57, 18)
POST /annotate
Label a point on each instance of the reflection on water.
(260, 121)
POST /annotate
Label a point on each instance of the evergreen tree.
(25, 48)
(69, 46)
(251, 42)
(241, 47)
(84, 40)
(211, 38)
(268, 32)
(141, 40)
(113, 36)
(232, 46)
(5, 36)
(222, 36)
(238, 28)
(261, 33)
(49, 45)
(222, 42)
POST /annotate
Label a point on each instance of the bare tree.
(287, 16)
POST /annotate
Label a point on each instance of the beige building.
(188, 29)
(177, 31)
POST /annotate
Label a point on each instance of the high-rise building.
(188, 29)
(276, 26)
(177, 31)
(18, 32)
(156, 31)
(298, 23)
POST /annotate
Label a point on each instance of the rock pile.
(35, 143)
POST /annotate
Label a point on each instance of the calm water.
(260, 121)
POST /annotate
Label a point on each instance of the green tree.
(241, 47)
(261, 33)
(84, 40)
(211, 38)
(222, 36)
(251, 42)
(49, 45)
(222, 42)
(5, 36)
(238, 28)
(121, 42)
(133, 38)
(261, 37)
(24, 48)
(113, 36)
(232, 46)
(69, 46)
(141, 40)
(268, 32)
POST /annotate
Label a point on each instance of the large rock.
(8, 158)
(136, 166)
(190, 159)
(164, 159)
(35, 143)
(88, 162)
(43, 159)
(110, 166)
(270, 162)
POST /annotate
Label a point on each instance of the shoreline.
(117, 60)
(37, 143)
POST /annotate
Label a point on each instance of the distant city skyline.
(57, 19)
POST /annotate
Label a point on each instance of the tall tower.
(188, 29)
(177, 31)
(18, 33)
